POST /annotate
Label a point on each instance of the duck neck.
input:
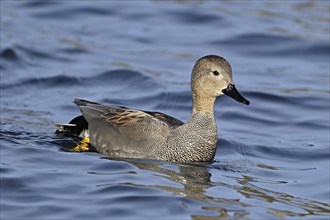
(203, 104)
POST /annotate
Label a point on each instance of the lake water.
(272, 160)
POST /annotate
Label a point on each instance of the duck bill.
(232, 92)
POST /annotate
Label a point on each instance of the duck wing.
(166, 119)
(122, 116)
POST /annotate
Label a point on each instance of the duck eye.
(216, 73)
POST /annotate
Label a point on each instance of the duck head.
(212, 77)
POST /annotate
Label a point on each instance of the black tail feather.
(78, 125)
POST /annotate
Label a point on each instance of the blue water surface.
(272, 159)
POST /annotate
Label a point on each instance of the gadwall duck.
(129, 133)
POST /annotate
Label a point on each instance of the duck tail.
(76, 127)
